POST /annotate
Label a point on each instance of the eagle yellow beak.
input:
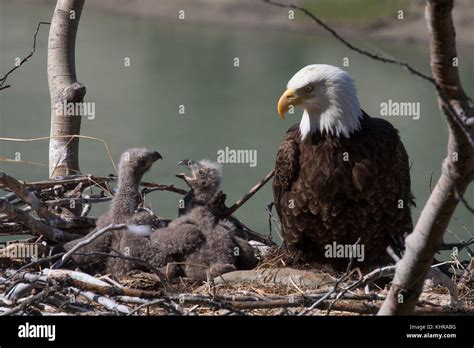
(287, 100)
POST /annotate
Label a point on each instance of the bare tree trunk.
(64, 88)
(456, 171)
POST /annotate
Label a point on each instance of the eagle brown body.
(337, 189)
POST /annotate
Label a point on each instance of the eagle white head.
(329, 98)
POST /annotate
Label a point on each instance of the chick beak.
(157, 156)
(182, 176)
(188, 164)
(184, 163)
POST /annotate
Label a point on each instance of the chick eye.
(201, 172)
(308, 88)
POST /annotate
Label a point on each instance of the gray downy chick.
(212, 246)
(204, 183)
(205, 190)
(134, 163)
(192, 245)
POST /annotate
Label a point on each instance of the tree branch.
(37, 227)
(456, 171)
(457, 168)
(87, 241)
(463, 118)
(249, 194)
(9, 182)
(3, 80)
(64, 88)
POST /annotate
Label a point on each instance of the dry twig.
(3, 79)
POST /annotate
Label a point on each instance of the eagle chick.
(134, 163)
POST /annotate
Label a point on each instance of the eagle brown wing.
(286, 172)
(335, 189)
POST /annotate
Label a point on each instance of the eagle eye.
(308, 88)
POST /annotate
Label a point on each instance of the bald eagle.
(340, 175)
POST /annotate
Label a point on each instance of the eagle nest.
(270, 289)
(43, 285)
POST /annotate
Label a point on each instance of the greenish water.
(174, 63)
